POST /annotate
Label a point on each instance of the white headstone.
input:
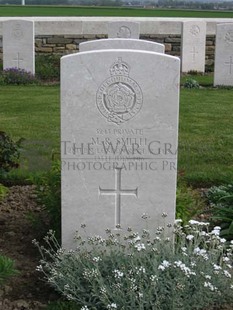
(126, 30)
(121, 44)
(119, 125)
(223, 67)
(18, 45)
(193, 46)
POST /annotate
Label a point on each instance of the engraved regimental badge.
(119, 98)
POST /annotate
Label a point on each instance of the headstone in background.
(193, 46)
(119, 128)
(133, 44)
(18, 45)
(124, 29)
(223, 67)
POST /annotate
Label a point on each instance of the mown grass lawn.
(205, 130)
(205, 135)
(32, 113)
(107, 11)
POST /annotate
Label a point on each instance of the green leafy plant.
(48, 190)
(148, 270)
(9, 153)
(188, 202)
(191, 83)
(16, 76)
(62, 305)
(221, 201)
(3, 191)
(7, 269)
(48, 67)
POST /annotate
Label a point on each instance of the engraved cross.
(230, 63)
(194, 52)
(18, 60)
(118, 192)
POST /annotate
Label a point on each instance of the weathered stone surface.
(59, 49)
(193, 46)
(71, 46)
(168, 47)
(172, 40)
(44, 49)
(223, 68)
(60, 40)
(58, 26)
(18, 45)
(124, 29)
(119, 124)
(38, 42)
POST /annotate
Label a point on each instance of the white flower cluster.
(186, 270)
(112, 306)
(210, 286)
(201, 252)
(165, 264)
(96, 259)
(118, 274)
(140, 247)
(90, 274)
(140, 269)
(153, 278)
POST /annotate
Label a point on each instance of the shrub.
(48, 67)
(7, 269)
(62, 305)
(221, 201)
(142, 271)
(3, 191)
(48, 190)
(191, 83)
(9, 153)
(16, 76)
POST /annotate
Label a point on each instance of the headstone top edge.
(122, 39)
(18, 20)
(224, 24)
(117, 51)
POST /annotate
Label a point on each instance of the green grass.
(205, 130)
(107, 11)
(32, 113)
(203, 80)
(205, 136)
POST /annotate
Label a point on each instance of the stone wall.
(68, 44)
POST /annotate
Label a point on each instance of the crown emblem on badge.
(120, 68)
(119, 98)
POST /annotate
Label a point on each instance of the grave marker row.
(18, 46)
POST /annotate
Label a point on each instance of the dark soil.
(19, 225)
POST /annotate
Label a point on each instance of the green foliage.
(3, 191)
(188, 202)
(191, 83)
(209, 68)
(48, 190)
(16, 76)
(130, 270)
(221, 200)
(48, 67)
(9, 153)
(7, 269)
(62, 305)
